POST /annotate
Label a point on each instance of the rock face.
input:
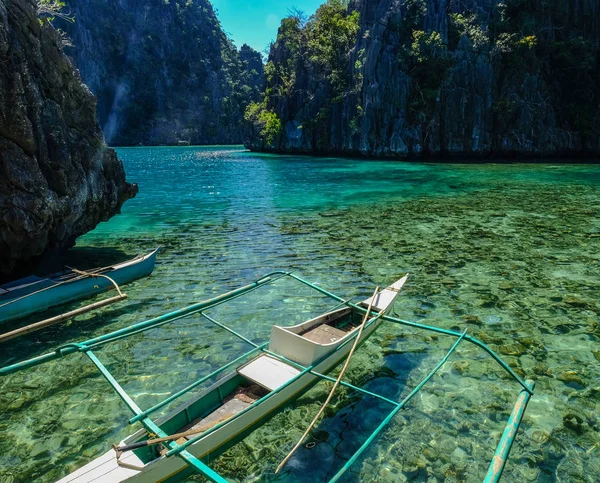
(434, 78)
(163, 71)
(58, 179)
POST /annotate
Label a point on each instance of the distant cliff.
(163, 70)
(58, 179)
(435, 78)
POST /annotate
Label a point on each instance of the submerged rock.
(58, 179)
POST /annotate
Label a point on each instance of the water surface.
(508, 251)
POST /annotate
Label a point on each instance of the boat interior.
(220, 402)
(330, 329)
(252, 381)
(22, 287)
(63, 276)
(304, 343)
(312, 340)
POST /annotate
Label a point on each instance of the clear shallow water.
(508, 251)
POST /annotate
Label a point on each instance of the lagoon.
(510, 252)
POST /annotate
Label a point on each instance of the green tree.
(331, 34)
(266, 120)
(48, 10)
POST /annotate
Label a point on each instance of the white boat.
(239, 402)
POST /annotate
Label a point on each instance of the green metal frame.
(143, 416)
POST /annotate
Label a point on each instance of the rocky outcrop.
(163, 72)
(58, 179)
(434, 78)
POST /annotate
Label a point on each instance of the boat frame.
(496, 466)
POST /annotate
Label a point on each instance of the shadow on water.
(349, 420)
(83, 258)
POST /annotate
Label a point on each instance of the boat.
(246, 397)
(33, 294)
(255, 386)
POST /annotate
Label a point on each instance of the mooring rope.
(96, 275)
(82, 275)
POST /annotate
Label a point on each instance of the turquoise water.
(508, 251)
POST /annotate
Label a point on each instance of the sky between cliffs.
(255, 22)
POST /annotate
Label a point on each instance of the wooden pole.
(59, 318)
(173, 437)
(337, 383)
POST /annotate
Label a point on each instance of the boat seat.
(324, 334)
(268, 372)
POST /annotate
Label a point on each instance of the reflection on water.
(510, 252)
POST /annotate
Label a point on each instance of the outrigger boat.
(258, 383)
(34, 294)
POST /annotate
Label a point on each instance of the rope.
(337, 383)
(56, 284)
(96, 275)
(119, 450)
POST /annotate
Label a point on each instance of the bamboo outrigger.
(262, 380)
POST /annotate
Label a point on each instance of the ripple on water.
(509, 252)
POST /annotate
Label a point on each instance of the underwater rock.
(540, 437)
(58, 179)
(459, 456)
(575, 422)
(571, 377)
(461, 367)
(512, 349)
(472, 319)
(576, 301)
(527, 362)
(571, 470)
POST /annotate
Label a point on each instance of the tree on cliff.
(320, 45)
(506, 77)
(164, 72)
(51, 9)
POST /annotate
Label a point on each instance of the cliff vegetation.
(419, 78)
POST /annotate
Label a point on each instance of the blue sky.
(255, 22)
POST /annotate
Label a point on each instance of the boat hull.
(72, 290)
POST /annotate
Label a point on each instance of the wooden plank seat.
(268, 372)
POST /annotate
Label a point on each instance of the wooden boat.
(239, 402)
(34, 294)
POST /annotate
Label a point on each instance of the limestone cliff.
(164, 72)
(441, 78)
(58, 179)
